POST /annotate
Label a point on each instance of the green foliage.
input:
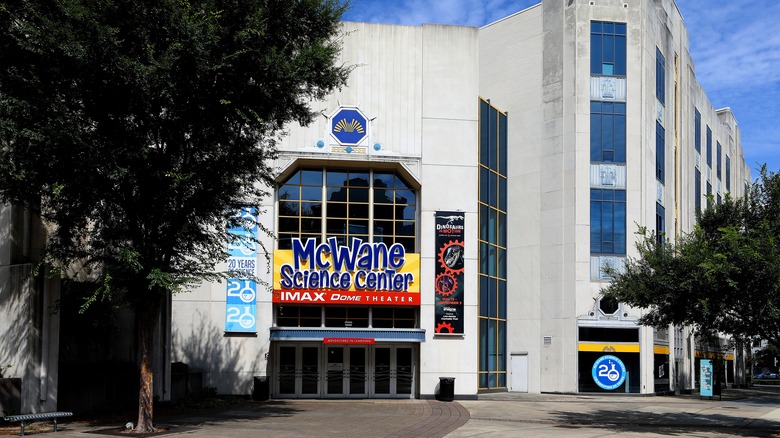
(4, 368)
(139, 126)
(722, 277)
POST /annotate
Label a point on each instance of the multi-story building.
(451, 212)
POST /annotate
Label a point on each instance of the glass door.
(346, 372)
(298, 371)
(393, 372)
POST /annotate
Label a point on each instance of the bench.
(53, 416)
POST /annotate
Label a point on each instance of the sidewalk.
(743, 412)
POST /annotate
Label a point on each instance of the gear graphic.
(445, 326)
(446, 284)
(451, 257)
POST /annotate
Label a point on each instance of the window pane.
(383, 212)
(358, 210)
(311, 193)
(358, 195)
(287, 208)
(404, 228)
(493, 189)
(501, 262)
(358, 179)
(406, 213)
(502, 144)
(382, 228)
(502, 193)
(483, 258)
(311, 225)
(311, 177)
(336, 178)
(484, 108)
(492, 307)
(337, 209)
(595, 51)
(502, 229)
(383, 180)
(502, 299)
(289, 193)
(382, 196)
(484, 184)
(484, 291)
(337, 194)
(311, 209)
(404, 197)
(483, 222)
(288, 225)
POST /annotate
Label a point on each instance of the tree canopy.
(722, 277)
(137, 128)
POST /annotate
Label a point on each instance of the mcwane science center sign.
(362, 273)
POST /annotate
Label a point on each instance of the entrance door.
(393, 372)
(346, 371)
(298, 371)
(519, 365)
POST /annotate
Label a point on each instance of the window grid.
(660, 152)
(346, 204)
(607, 222)
(607, 48)
(492, 243)
(660, 76)
(607, 132)
(718, 160)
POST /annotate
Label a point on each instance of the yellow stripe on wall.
(608, 348)
(660, 349)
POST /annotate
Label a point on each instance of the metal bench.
(53, 416)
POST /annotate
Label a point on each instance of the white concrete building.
(486, 176)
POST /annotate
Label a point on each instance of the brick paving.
(310, 418)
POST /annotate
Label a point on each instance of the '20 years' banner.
(241, 300)
(449, 272)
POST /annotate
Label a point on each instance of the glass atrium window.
(375, 206)
(607, 48)
(492, 246)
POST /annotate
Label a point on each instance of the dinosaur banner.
(449, 272)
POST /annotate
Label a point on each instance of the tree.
(137, 128)
(722, 277)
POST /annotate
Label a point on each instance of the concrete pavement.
(744, 412)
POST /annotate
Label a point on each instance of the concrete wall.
(29, 330)
(420, 86)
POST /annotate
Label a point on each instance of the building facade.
(450, 213)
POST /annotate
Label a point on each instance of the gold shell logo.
(353, 126)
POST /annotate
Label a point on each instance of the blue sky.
(734, 44)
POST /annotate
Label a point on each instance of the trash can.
(446, 389)
(261, 391)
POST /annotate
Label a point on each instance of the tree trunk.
(147, 318)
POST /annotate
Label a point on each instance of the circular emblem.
(246, 320)
(451, 257)
(609, 372)
(446, 284)
(349, 126)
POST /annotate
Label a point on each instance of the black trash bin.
(446, 389)
(261, 391)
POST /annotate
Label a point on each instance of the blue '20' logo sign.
(609, 372)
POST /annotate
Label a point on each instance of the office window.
(660, 76)
(697, 191)
(718, 160)
(709, 194)
(607, 48)
(607, 132)
(697, 130)
(728, 174)
(709, 147)
(492, 247)
(660, 227)
(607, 221)
(660, 153)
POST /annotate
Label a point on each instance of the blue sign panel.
(609, 372)
(241, 310)
(241, 299)
(705, 378)
(349, 126)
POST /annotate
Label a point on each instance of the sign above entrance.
(349, 126)
(348, 341)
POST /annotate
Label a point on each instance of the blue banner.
(705, 378)
(241, 299)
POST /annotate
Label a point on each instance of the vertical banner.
(241, 300)
(705, 378)
(449, 272)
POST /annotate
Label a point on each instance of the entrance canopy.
(320, 334)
